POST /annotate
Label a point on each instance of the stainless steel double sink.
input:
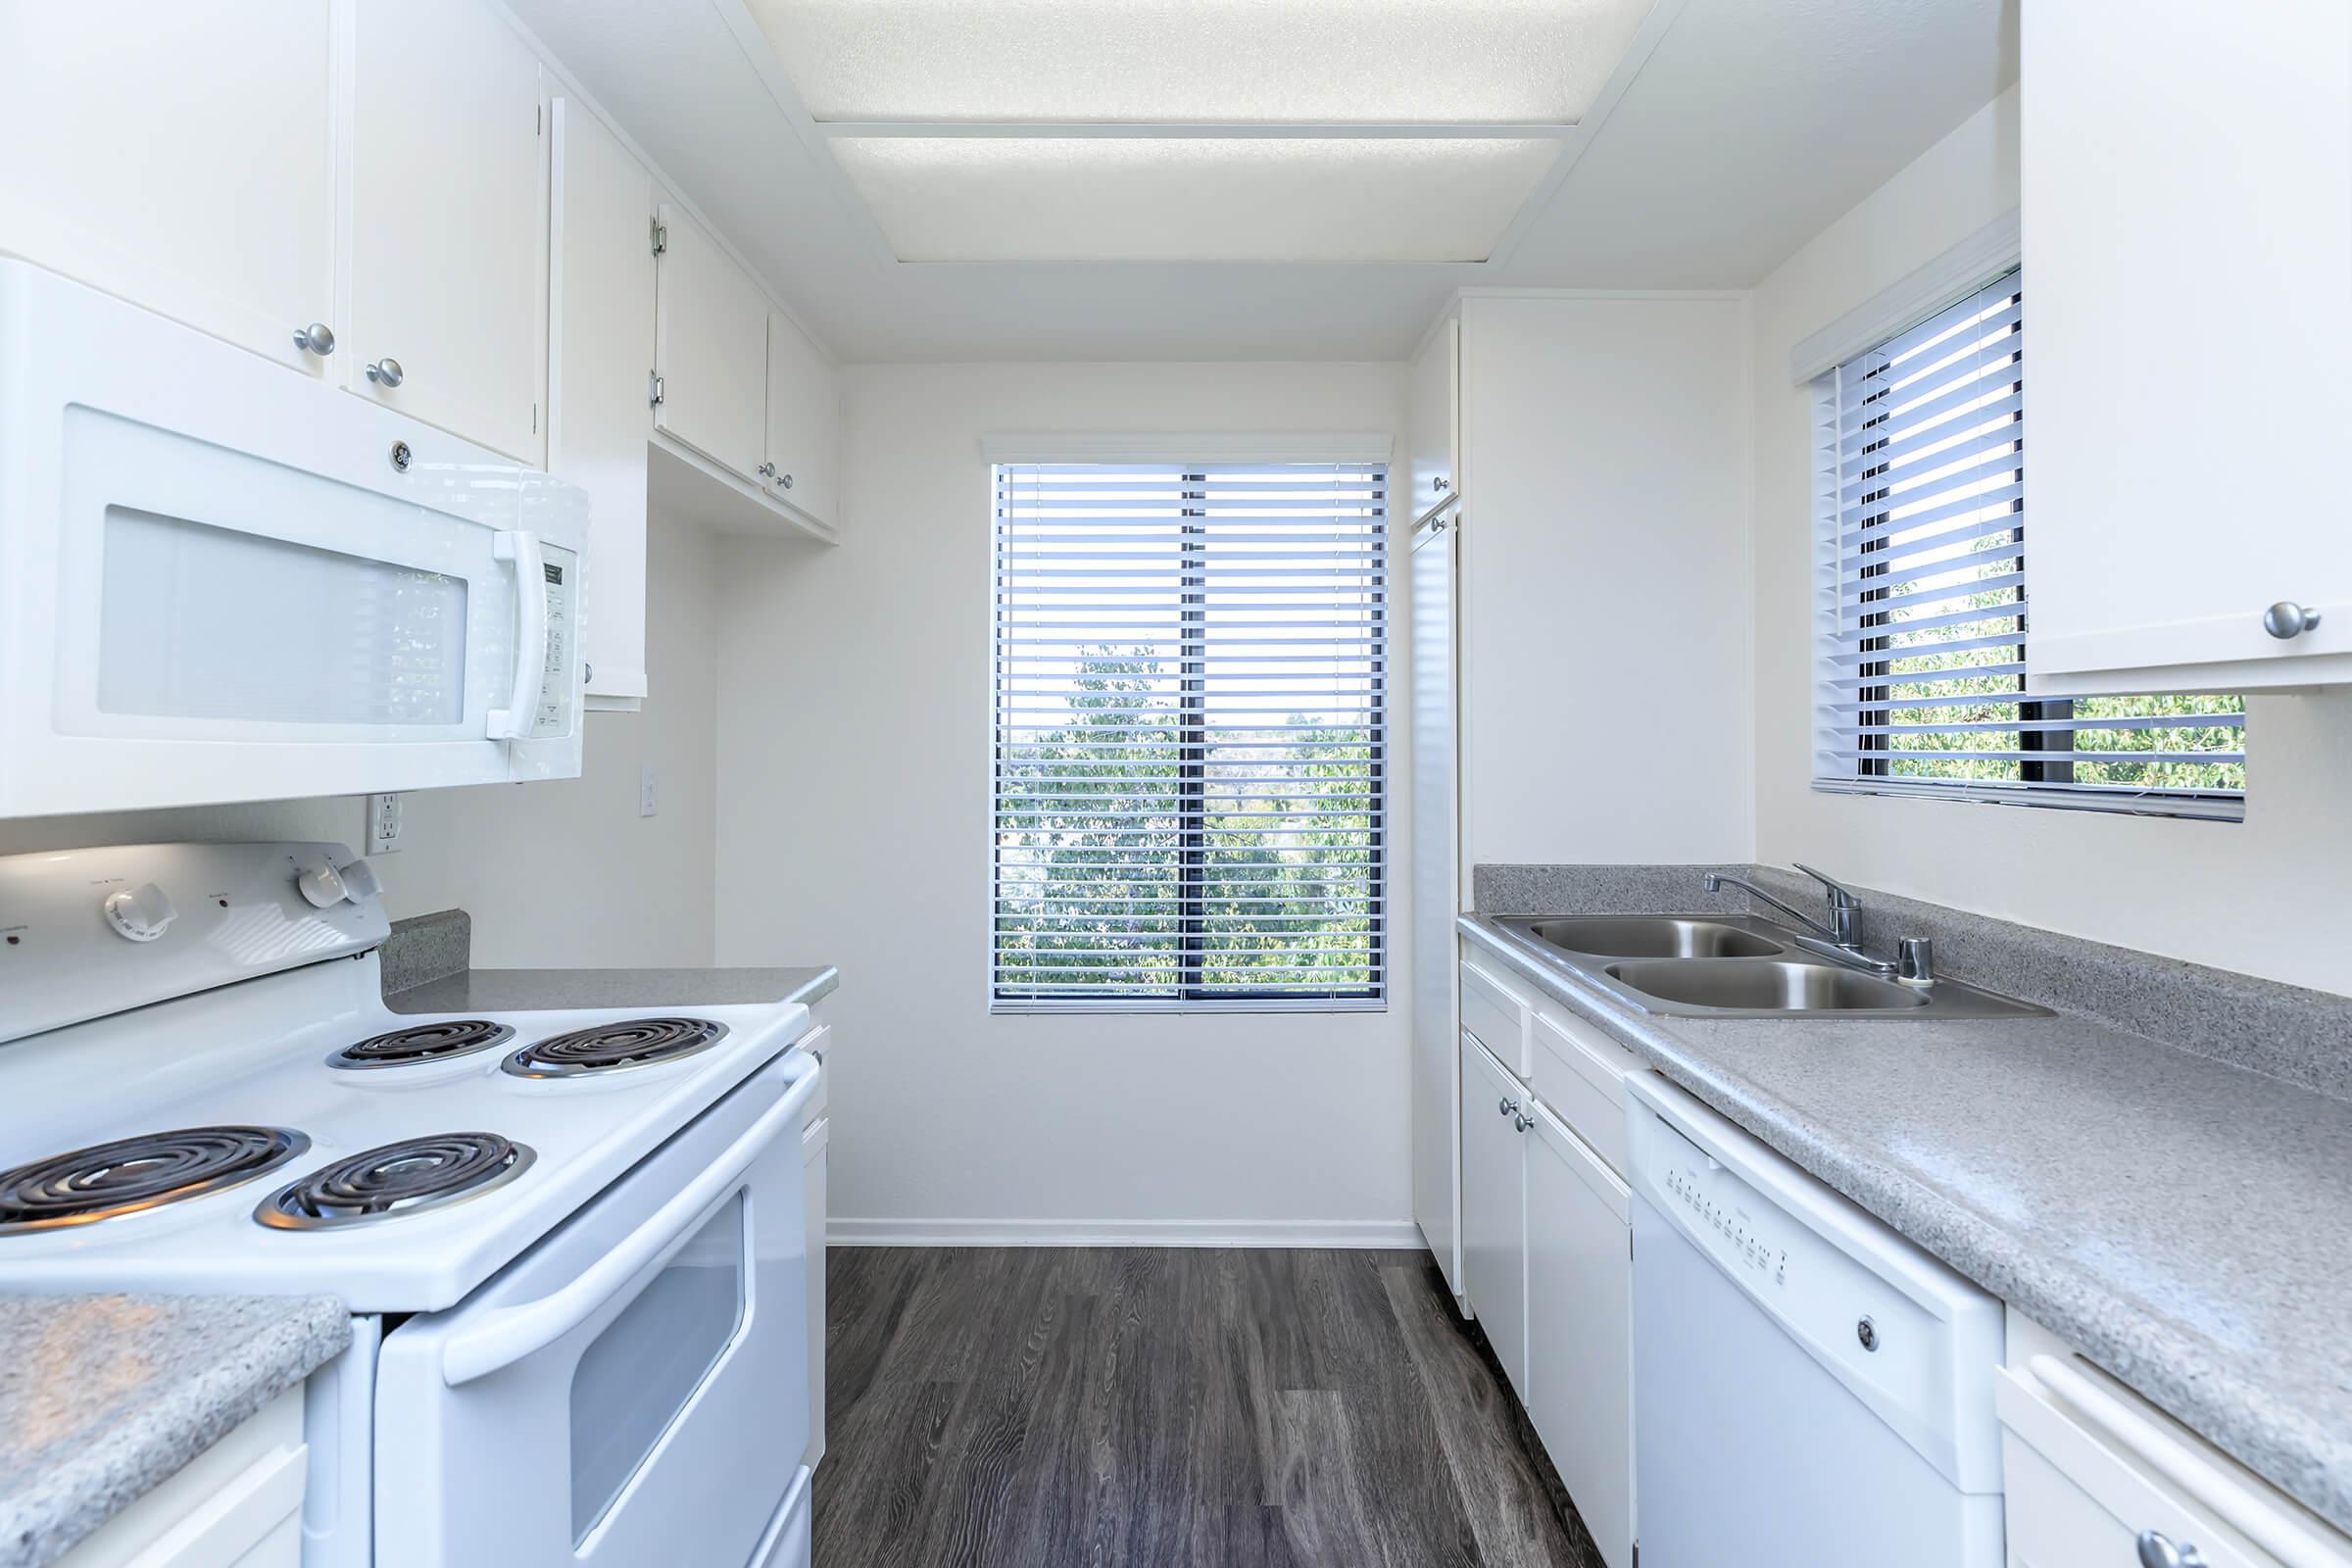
(1736, 967)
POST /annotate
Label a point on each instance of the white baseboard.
(1327, 1233)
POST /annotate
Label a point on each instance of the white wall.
(561, 873)
(2262, 896)
(1605, 589)
(854, 805)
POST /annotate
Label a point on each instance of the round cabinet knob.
(141, 913)
(1520, 1124)
(386, 372)
(2156, 1551)
(327, 884)
(785, 480)
(1868, 1333)
(766, 470)
(317, 338)
(2287, 619)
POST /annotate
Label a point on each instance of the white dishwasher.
(1810, 1390)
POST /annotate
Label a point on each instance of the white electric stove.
(571, 1242)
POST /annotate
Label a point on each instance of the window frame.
(1191, 456)
(1984, 259)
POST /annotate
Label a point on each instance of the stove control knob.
(327, 884)
(141, 913)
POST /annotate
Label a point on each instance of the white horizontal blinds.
(1190, 731)
(1927, 536)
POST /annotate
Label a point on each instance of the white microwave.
(222, 580)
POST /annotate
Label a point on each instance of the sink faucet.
(1839, 937)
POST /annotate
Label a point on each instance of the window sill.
(2115, 803)
(1150, 1005)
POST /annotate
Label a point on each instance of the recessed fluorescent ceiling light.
(1197, 61)
(1185, 199)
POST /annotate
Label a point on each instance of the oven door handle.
(512, 722)
(505, 1335)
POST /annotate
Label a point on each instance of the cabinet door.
(804, 419)
(448, 249)
(2187, 204)
(1580, 1283)
(1494, 1225)
(180, 157)
(601, 359)
(711, 350)
(1432, 421)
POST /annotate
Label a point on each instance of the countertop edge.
(2183, 1373)
(71, 1499)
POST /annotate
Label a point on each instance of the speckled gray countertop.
(2185, 1221)
(534, 990)
(102, 1397)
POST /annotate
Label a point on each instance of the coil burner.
(409, 1177)
(615, 1048)
(130, 1174)
(427, 1042)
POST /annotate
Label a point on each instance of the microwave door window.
(199, 621)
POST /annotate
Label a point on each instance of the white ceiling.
(1752, 126)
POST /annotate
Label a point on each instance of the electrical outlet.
(647, 803)
(383, 824)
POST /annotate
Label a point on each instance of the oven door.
(222, 581)
(632, 1392)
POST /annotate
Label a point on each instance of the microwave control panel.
(553, 711)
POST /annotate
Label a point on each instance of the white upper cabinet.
(711, 350)
(2187, 240)
(448, 255)
(181, 158)
(601, 294)
(1433, 422)
(804, 421)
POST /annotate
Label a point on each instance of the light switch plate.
(383, 824)
(647, 803)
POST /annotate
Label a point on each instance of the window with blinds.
(1189, 734)
(1924, 616)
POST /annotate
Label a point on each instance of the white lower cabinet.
(2097, 1478)
(1547, 1269)
(1495, 1205)
(238, 1505)
(1548, 1255)
(1579, 1281)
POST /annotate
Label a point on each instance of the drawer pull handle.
(2156, 1551)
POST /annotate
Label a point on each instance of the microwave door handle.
(505, 1335)
(512, 722)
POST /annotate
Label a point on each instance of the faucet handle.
(1842, 896)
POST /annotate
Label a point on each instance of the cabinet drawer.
(1580, 1073)
(1496, 1015)
(2090, 1466)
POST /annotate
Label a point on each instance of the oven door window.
(646, 1367)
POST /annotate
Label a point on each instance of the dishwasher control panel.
(1741, 1239)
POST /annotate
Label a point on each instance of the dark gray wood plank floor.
(1248, 1408)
